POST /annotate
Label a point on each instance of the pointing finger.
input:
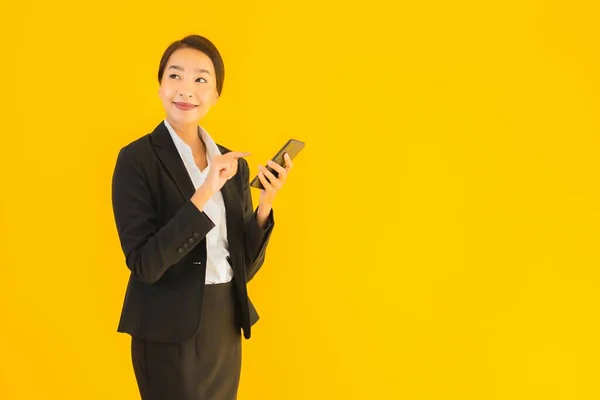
(238, 154)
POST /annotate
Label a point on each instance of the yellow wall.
(438, 237)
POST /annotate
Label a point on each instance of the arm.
(257, 233)
(149, 249)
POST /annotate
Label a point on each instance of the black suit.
(162, 234)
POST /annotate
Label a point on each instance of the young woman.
(191, 237)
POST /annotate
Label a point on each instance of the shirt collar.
(211, 147)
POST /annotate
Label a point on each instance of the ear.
(217, 97)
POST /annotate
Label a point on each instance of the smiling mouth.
(185, 106)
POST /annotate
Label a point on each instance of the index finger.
(238, 154)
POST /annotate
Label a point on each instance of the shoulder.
(135, 150)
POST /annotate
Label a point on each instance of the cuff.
(255, 231)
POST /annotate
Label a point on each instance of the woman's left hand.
(271, 184)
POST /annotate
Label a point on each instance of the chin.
(185, 118)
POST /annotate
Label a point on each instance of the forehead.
(190, 59)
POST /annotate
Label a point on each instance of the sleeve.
(256, 238)
(149, 249)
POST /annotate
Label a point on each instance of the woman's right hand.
(222, 168)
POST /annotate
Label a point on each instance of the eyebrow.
(177, 67)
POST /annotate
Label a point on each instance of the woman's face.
(188, 87)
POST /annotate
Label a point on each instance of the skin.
(189, 77)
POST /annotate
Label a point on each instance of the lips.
(185, 106)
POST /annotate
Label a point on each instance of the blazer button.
(180, 250)
(185, 246)
(196, 235)
(191, 240)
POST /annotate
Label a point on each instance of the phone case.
(292, 147)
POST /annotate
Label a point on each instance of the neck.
(188, 133)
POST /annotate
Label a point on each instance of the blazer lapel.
(169, 156)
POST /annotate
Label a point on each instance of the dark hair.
(199, 43)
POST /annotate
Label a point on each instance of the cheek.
(163, 94)
(206, 96)
(166, 91)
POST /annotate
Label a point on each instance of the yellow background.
(438, 237)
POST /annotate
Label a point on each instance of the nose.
(185, 95)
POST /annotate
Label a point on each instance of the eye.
(173, 76)
(202, 79)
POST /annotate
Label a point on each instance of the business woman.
(191, 237)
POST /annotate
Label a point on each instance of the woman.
(190, 236)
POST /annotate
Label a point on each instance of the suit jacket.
(163, 237)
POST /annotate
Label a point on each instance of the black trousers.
(206, 367)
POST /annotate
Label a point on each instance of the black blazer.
(163, 237)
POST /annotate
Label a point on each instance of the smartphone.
(292, 147)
